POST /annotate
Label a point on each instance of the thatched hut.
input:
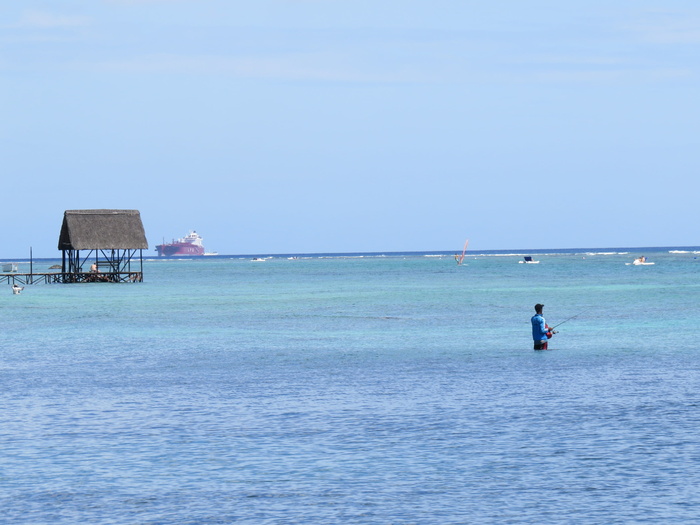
(102, 245)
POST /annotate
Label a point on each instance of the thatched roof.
(102, 230)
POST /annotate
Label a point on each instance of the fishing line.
(569, 319)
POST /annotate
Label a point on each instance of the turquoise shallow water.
(398, 389)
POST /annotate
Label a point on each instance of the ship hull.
(178, 249)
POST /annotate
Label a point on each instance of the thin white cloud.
(117, 2)
(576, 69)
(593, 76)
(679, 33)
(669, 27)
(313, 66)
(44, 19)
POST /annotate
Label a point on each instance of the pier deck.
(72, 277)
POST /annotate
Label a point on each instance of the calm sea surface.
(397, 389)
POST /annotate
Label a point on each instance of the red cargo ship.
(191, 244)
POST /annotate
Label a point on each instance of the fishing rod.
(569, 319)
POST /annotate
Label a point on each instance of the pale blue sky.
(344, 126)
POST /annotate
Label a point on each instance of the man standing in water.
(540, 331)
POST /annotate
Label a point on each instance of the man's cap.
(538, 306)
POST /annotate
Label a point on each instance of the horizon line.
(513, 251)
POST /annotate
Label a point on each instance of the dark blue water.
(398, 389)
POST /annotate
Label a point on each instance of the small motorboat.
(9, 267)
(528, 260)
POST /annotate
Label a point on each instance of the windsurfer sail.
(461, 257)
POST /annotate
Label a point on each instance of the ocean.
(357, 389)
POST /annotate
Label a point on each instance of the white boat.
(9, 267)
(641, 261)
(528, 260)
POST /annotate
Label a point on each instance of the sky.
(317, 126)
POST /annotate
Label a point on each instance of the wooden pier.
(108, 242)
(70, 277)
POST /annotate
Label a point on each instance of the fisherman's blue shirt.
(539, 332)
